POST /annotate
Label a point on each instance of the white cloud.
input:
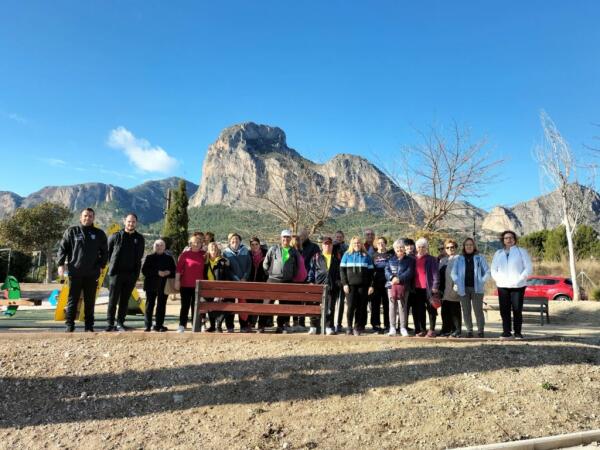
(54, 162)
(140, 153)
(15, 117)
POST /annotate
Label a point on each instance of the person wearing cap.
(240, 265)
(281, 265)
(325, 269)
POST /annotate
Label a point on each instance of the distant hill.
(239, 166)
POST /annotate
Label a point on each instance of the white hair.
(422, 242)
(158, 242)
(399, 243)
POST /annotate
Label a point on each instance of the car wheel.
(562, 298)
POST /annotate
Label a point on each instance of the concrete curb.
(544, 443)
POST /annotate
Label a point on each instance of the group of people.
(364, 274)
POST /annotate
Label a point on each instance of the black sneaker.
(89, 329)
(147, 329)
(162, 329)
(480, 334)
(69, 329)
(279, 330)
(349, 331)
(110, 328)
(469, 334)
(505, 336)
(121, 327)
(518, 336)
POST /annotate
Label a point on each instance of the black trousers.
(420, 307)
(356, 302)
(511, 299)
(377, 299)
(76, 286)
(188, 300)
(120, 288)
(340, 300)
(160, 300)
(451, 317)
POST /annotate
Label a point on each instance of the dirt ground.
(164, 390)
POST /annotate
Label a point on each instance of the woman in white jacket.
(510, 268)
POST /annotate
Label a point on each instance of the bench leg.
(324, 308)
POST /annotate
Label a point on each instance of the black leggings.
(188, 299)
(378, 298)
(356, 302)
(451, 317)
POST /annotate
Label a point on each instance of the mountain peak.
(254, 138)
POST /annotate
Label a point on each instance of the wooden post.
(197, 321)
(324, 299)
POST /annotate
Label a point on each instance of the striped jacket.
(356, 269)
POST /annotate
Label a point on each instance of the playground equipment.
(135, 301)
(10, 296)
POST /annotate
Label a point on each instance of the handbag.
(435, 300)
(170, 287)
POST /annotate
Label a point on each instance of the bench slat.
(263, 295)
(261, 309)
(252, 286)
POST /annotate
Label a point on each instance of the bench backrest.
(312, 293)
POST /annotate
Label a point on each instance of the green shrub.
(595, 294)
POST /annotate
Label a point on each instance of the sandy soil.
(265, 391)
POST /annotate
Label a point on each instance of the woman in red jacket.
(190, 267)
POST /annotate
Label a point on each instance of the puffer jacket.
(403, 269)
(356, 269)
(240, 262)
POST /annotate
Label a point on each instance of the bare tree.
(559, 168)
(302, 198)
(437, 176)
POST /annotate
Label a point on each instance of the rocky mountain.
(110, 202)
(534, 215)
(9, 201)
(248, 160)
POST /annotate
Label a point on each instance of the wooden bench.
(21, 302)
(304, 299)
(530, 304)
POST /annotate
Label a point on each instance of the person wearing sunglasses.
(451, 320)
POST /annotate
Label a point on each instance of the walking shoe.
(421, 334)
(357, 332)
(69, 329)
(89, 329)
(455, 335)
(518, 336)
(286, 329)
(445, 334)
(203, 329)
(329, 331)
(377, 330)
(147, 329)
(219, 330)
(279, 330)
(260, 330)
(121, 327)
(430, 334)
(469, 334)
(339, 329)
(155, 328)
(505, 336)
(230, 330)
(480, 334)
(180, 329)
(404, 332)
(392, 332)
(163, 329)
(110, 328)
(349, 331)
(312, 330)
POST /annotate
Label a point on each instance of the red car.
(553, 288)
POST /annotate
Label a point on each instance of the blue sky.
(85, 84)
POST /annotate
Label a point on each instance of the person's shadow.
(39, 401)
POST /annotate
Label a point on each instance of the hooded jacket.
(319, 274)
(276, 269)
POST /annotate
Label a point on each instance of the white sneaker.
(180, 329)
(404, 332)
(392, 332)
(202, 329)
(313, 330)
(329, 331)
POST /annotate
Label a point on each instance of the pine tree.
(175, 230)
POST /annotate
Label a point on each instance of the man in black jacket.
(125, 252)
(83, 249)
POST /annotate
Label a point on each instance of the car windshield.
(568, 281)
